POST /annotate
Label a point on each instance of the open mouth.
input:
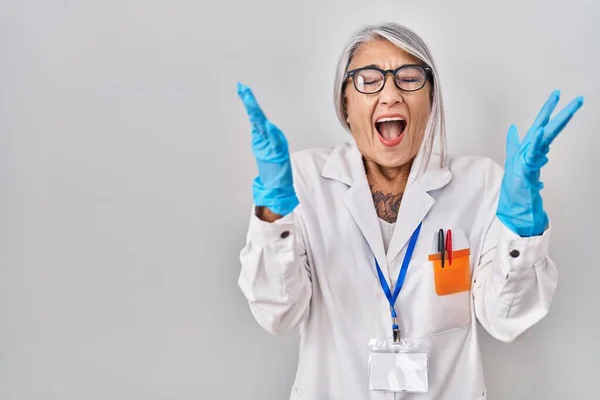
(390, 129)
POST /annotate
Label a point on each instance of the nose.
(390, 94)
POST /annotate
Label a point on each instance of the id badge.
(398, 366)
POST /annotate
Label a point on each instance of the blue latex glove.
(273, 187)
(520, 206)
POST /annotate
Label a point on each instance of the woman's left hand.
(520, 206)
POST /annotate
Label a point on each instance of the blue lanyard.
(384, 285)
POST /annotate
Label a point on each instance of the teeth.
(389, 119)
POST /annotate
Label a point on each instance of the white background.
(125, 176)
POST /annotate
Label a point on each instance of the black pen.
(441, 245)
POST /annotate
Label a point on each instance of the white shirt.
(387, 230)
(315, 269)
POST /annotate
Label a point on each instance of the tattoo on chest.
(387, 205)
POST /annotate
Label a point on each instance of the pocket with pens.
(451, 260)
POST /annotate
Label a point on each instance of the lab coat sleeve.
(275, 276)
(514, 280)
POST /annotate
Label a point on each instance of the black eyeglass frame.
(427, 71)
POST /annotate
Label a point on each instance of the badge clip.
(395, 331)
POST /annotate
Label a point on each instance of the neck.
(387, 187)
(391, 180)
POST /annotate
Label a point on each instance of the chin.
(390, 160)
(391, 156)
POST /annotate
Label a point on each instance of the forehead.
(382, 53)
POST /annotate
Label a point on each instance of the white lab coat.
(315, 269)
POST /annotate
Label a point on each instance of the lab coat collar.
(345, 164)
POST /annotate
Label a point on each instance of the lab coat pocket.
(449, 288)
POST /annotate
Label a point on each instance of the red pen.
(449, 245)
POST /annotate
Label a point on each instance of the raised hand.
(520, 206)
(273, 187)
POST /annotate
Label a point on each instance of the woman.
(338, 233)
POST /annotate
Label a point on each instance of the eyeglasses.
(409, 78)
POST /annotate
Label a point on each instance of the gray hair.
(410, 42)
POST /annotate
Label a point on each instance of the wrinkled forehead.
(382, 53)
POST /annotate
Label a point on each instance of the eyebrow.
(377, 65)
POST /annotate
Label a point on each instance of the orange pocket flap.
(455, 277)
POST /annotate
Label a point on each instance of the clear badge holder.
(398, 366)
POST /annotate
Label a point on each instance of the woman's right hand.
(273, 187)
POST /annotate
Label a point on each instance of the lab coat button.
(515, 253)
(285, 234)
